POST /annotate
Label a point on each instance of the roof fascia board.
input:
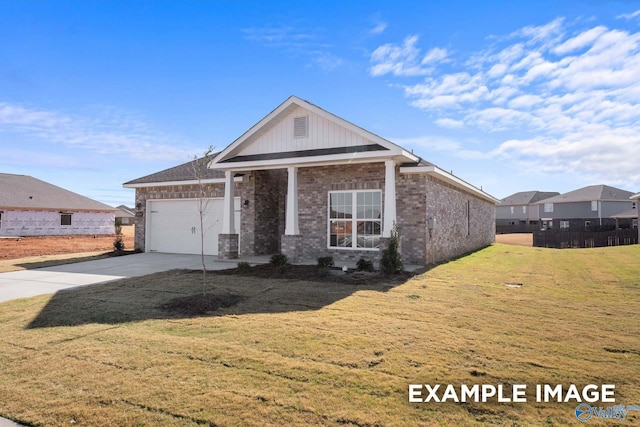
(332, 159)
(451, 179)
(189, 182)
(635, 197)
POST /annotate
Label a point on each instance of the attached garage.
(173, 226)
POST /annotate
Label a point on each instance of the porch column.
(389, 197)
(291, 224)
(228, 239)
(228, 226)
(291, 243)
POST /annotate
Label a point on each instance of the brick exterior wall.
(314, 185)
(418, 197)
(244, 190)
(455, 232)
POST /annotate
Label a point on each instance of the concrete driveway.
(28, 283)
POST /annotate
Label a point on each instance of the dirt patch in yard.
(202, 303)
(519, 239)
(22, 247)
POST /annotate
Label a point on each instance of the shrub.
(244, 266)
(118, 244)
(391, 261)
(279, 260)
(324, 271)
(364, 265)
(325, 262)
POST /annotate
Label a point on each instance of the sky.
(508, 95)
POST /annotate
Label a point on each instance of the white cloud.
(403, 60)
(378, 28)
(629, 15)
(430, 143)
(308, 43)
(435, 55)
(449, 123)
(110, 132)
(567, 98)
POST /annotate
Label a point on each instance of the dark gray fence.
(584, 239)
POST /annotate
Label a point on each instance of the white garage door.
(173, 226)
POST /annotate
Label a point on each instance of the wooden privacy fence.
(584, 239)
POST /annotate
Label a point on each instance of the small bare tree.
(199, 168)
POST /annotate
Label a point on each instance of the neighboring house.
(31, 207)
(591, 206)
(307, 183)
(519, 211)
(636, 198)
(125, 215)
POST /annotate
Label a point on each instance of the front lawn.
(293, 352)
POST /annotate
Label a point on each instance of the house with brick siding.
(307, 183)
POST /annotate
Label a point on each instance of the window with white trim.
(548, 207)
(524, 209)
(594, 206)
(564, 224)
(511, 210)
(355, 219)
(65, 219)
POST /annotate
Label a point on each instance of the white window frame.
(354, 219)
(548, 207)
(594, 206)
(565, 224)
(511, 209)
(524, 209)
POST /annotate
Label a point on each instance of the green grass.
(310, 353)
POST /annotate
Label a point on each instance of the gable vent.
(301, 127)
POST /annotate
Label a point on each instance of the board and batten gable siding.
(47, 223)
(322, 133)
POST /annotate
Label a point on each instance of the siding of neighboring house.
(48, 223)
(577, 213)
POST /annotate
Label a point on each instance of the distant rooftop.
(27, 192)
(590, 193)
(527, 197)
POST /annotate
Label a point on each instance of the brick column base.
(227, 246)
(291, 246)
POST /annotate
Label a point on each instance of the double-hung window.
(355, 219)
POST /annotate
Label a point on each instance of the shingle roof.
(527, 197)
(183, 172)
(26, 192)
(125, 212)
(590, 193)
(629, 213)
